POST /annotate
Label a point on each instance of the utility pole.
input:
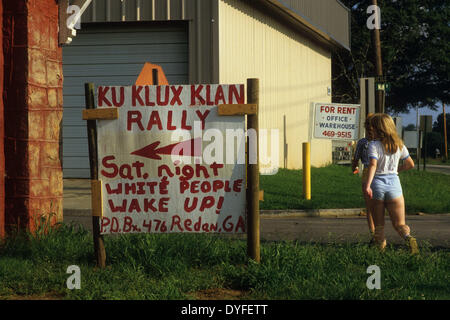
(379, 93)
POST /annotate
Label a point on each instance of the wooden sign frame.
(253, 194)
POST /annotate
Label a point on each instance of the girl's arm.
(371, 174)
(354, 164)
(408, 163)
(356, 156)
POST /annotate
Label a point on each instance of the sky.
(411, 117)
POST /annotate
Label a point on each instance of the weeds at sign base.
(189, 266)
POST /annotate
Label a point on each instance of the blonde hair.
(384, 129)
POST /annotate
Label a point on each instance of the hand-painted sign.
(336, 121)
(153, 181)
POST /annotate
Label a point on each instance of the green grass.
(335, 187)
(176, 266)
(434, 161)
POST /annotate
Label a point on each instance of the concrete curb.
(268, 214)
(77, 212)
(311, 213)
(263, 213)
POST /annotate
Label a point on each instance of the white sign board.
(163, 165)
(410, 138)
(336, 121)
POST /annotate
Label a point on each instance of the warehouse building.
(286, 44)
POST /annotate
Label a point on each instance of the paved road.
(434, 229)
(436, 168)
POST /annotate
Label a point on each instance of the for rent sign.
(336, 121)
(163, 163)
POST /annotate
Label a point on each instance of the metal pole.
(306, 170)
(418, 138)
(284, 142)
(425, 143)
(445, 131)
(253, 221)
(99, 246)
(419, 151)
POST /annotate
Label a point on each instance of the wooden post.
(306, 171)
(425, 144)
(155, 77)
(379, 94)
(253, 223)
(445, 132)
(425, 127)
(99, 247)
(419, 154)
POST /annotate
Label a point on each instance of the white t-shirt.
(386, 163)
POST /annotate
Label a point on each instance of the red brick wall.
(2, 155)
(15, 118)
(33, 112)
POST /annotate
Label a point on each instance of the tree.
(349, 66)
(438, 126)
(435, 72)
(434, 141)
(410, 127)
(415, 46)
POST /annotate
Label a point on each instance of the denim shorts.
(386, 187)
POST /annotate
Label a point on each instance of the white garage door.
(111, 54)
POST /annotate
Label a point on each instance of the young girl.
(361, 153)
(383, 185)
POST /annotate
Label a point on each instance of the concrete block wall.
(33, 112)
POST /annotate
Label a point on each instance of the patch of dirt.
(33, 297)
(219, 294)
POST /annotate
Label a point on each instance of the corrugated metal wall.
(139, 10)
(293, 71)
(331, 17)
(113, 54)
(200, 14)
(231, 40)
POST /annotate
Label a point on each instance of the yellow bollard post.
(306, 171)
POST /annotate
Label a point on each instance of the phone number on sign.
(338, 134)
(174, 224)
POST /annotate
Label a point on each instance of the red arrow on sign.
(183, 148)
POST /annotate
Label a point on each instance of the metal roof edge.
(280, 4)
(343, 5)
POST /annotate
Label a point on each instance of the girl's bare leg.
(369, 215)
(369, 210)
(396, 209)
(378, 220)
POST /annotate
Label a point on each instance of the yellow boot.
(411, 242)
